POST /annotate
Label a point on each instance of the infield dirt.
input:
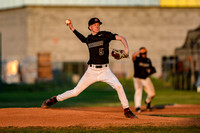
(98, 116)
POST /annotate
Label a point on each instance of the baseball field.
(97, 109)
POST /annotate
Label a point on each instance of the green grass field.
(78, 129)
(98, 94)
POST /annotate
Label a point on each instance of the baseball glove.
(152, 70)
(119, 54)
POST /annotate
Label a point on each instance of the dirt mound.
(97, 117)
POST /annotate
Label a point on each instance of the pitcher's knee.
(152, 95)
(118, 86)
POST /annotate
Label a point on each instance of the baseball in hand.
(68, 21)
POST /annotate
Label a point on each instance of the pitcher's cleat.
(49, 102)
(129, 114)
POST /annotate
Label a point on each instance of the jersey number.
(101, 51)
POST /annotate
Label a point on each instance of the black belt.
(98, 66)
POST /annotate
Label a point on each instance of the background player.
(98, 65)
(142, 70)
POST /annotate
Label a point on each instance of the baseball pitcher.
(98, 64)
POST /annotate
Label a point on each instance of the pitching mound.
(98, 117)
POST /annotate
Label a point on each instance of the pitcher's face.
(95, 28)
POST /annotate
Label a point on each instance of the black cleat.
(49, 102)
(129, 114)
(138, 110)
(148, 106)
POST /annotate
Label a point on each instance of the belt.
(98, 66)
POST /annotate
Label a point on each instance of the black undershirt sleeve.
(80, 36)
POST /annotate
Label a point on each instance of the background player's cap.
(94, 20)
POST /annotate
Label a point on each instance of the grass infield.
(79, 129)
(98, 94)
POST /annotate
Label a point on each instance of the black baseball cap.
(93, 21)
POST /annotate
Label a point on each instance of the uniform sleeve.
(111, 35)
(80, 36)
(136, 61)
(152, 69)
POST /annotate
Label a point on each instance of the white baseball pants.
(148, 88)
(93, 75)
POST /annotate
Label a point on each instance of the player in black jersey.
(142, 71)
(98, 65)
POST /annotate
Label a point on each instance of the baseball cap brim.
(96, 22)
